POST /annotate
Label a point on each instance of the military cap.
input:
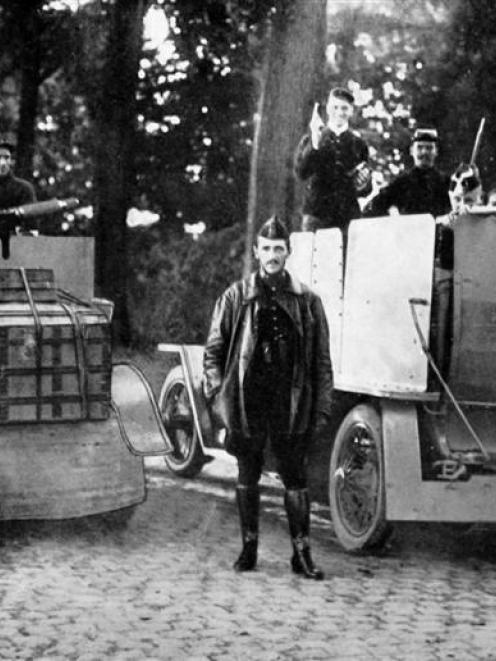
(275, 229)
(342, 93)
(425, 135)
(7, 142)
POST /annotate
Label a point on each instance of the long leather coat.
(230, 348)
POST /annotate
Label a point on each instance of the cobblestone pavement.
(162, 587)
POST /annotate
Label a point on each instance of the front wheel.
(356, 482)
(187, 457)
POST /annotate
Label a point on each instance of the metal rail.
(423, 343)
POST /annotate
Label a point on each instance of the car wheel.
(356, 482)
(187, 457)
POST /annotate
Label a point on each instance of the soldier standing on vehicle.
(332, 160)
(423, 189)
(13, 191)
(268, 376)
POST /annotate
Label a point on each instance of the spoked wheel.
(187, 458)
(356, 482)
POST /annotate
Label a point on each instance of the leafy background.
(112, 101)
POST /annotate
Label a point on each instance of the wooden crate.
(40, 283)
(55, 365)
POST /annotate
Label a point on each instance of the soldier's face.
(424, 153)
(5, 161)
(271, 254)
(339, 111)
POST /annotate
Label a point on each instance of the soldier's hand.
(362, 177)
(216, 411)
(316, 125)
(322, 424)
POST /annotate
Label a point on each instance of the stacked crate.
(55, 352)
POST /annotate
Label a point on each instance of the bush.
(175, 282)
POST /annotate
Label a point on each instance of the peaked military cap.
(342, 93)
(275, 229)
(425, 135)
(7, 142)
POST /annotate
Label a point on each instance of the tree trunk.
(30, 82)
(296, 67)
(254, 160)
(114, 166)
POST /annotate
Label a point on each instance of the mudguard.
(137, 413)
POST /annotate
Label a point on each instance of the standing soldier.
(13, 191)
(332, 160)
(423, 189)
(267, 375)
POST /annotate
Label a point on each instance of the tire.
(187, 458)
(356, 482)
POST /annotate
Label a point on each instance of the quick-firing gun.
(12, 217)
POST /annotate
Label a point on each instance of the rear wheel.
(187, 457)
(356, 482)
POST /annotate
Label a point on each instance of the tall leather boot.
(298, 510)
(248, 499)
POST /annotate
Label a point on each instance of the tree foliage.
(466, 83)
(174, 284)
(102, 117)
(386, 52)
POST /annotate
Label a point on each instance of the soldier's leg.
(248, 500)
(291, 456)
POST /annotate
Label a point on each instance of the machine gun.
(10, 218)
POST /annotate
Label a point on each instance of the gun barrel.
(477, 142)
(41, 208)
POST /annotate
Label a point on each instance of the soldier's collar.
(336, 130)
(251, 287)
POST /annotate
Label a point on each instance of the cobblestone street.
(162, 587)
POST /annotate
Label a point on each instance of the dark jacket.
(420, 190)
(230, 348)
(330, 192)
(15, 191)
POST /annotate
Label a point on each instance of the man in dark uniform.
(268, 376)
(332, 160)
(13, 191)
(423, 189)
